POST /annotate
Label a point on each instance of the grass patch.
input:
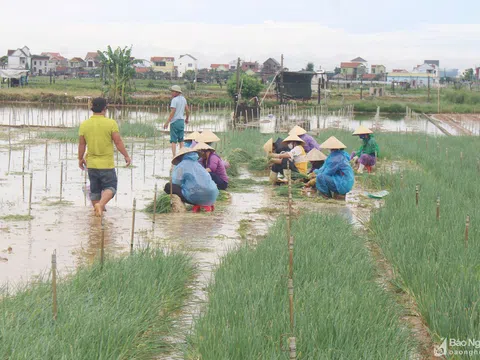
(17, 218)
(138, 130)
(163, 205)
(282, 190)
(244, 228)
(341, 312)
(66, 135)
(124, 311)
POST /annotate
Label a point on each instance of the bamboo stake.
(438, 207)
(467, 225)
(30, 196)
(61, 180)
(133, 225)
(292, 348)
(171, 185)
(85, 187)
(417, 193)
(290, 296)
(54, 284)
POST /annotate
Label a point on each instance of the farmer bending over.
(98, 133)
(295, 158)
(179, 114)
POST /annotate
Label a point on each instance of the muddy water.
(219, 119)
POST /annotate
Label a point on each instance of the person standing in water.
(179, 114)
(99, 133)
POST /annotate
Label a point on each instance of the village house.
(164, 64)
(415, 80)
(92, 60)
(220, 67)
(430, 69)
(361, 61)
(378, 69)
(352, 70)
(270, 67)
(184, 63)
(19, 59)
(76, 63)
(56, 62)
(250, 65)
(477, 73)
(40, 64)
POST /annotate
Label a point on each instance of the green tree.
(251, 86)
(337, 70)
(310, 67)
(3, 60)
(189, 75)
(118, 72)
(468, 75)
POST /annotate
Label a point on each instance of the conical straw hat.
(292, 138)
(268, 147)
(202, 146)
(297, 130)
(183, 151)
(207, 137)
(316, 155)
(333, 143)
(361, 130)
(192, 136)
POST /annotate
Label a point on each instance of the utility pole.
(281, 79)
(428, 88)
(237, 95)
(319, 87)
(361, 88)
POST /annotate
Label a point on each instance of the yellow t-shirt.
(98, 132)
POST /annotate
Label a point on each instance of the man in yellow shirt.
(99, 134)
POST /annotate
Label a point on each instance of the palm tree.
(118, 71)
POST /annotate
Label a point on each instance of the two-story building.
(40, 64)
(164, 64)
(250, 65)
(20, 59)
(184, 63)
(55, 61)
(352, 70)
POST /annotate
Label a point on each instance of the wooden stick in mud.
(23, 159)
(61, 180)
(438, 207)
(30, 196)
(171, 185)
(467, 225)
(133, 225)
(54, 284)
(155, 203)
(417, 188)
(102, 244)
(85, 187)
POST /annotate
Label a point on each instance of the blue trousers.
(326, 185)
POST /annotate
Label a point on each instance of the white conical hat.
(292, 138)
(192, 136)
(297, 130)
(268, 147)
(181, 152)
(333, 143)
(361, 130)
(202, 146)
(316, 155)
(207, 137)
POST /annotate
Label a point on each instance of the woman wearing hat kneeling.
(366, 156)
(213, 164)
(335, 178)
(295, 158)
(191, 182)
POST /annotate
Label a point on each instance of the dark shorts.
(100, 180)
(177, 131)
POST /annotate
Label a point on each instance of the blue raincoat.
(337, 167)
(196, 183)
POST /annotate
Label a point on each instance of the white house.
(361, 61)
(426, 69)
(184, 63)
(40, 65)
(19, 59)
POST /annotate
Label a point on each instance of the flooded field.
(219, 118)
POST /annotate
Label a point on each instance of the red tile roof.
(350, 65)
(76, 59)
(216, 66)
(161, 58)
(369, 76)
(93, 55)
(141, 70)
(53, 55)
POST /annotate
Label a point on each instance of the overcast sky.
(399, 34)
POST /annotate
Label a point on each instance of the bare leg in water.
(99, 205)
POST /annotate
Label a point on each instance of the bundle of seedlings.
(163, 205)
(258, 164)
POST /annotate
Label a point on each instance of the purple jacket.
(216, 164)
(310, 143)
